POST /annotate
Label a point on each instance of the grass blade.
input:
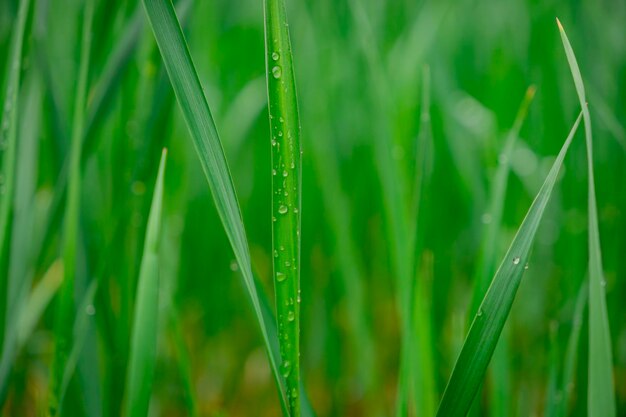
(491, 316)
(142, 359)
(195, 110)
(8, 142)
(286, 192)
(601, 390)
(423, 378)
(488, 258)
(65, 304)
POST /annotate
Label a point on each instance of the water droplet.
(273, 142)
(291, 316)
(294, 393)
(275, 253)
(233, 265)
(285, 369)
(280, 119)
(285, 174)
(277, 72)
(275, 56)
(516, 260)
(90, 310)
(485, 218)
(292, 165)
(280, 277)
(283, 209)
(280, 133)
(287, 264)
(480, 312)
(525, 266)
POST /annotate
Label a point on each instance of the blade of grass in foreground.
(481, 341)
(601, 391)
(142, 359)
(195, 110)
(286, 193)
(8, 142)
(65, 302)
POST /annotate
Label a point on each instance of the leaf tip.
(558, 22)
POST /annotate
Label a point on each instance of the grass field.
(312, 208)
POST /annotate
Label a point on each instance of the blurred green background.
(359, 68)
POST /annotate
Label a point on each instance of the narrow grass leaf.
(85, 313)
(481, 341)
(489, 242)
(286, 193)
(8, 150)
(143, 352)
(601, 389)
(65, 304)
(195, 110)
(422, 376)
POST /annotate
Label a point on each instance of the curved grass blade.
(195, 110)
(286, 193)
(8, 142)
(601, 389)
(491, 316)
(142, 359)
(65, 304)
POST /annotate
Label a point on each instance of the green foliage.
(601, 390)
(493, 312)
(286, 193)
(383, 195)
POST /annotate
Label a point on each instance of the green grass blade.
(38, 300)
(65, 304)
(601, 390)
(491, 316)
(489, 243)
(143, 352)
(8, 155)
(85, 312)
(286, 192)
(564, 394)
(423, 378)
(195, 110)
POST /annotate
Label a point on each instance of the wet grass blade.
(195, 110)
(8, 142)
(65, 304)
(601, 390)
(481, 341)
(143, 351)
(286, 193)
